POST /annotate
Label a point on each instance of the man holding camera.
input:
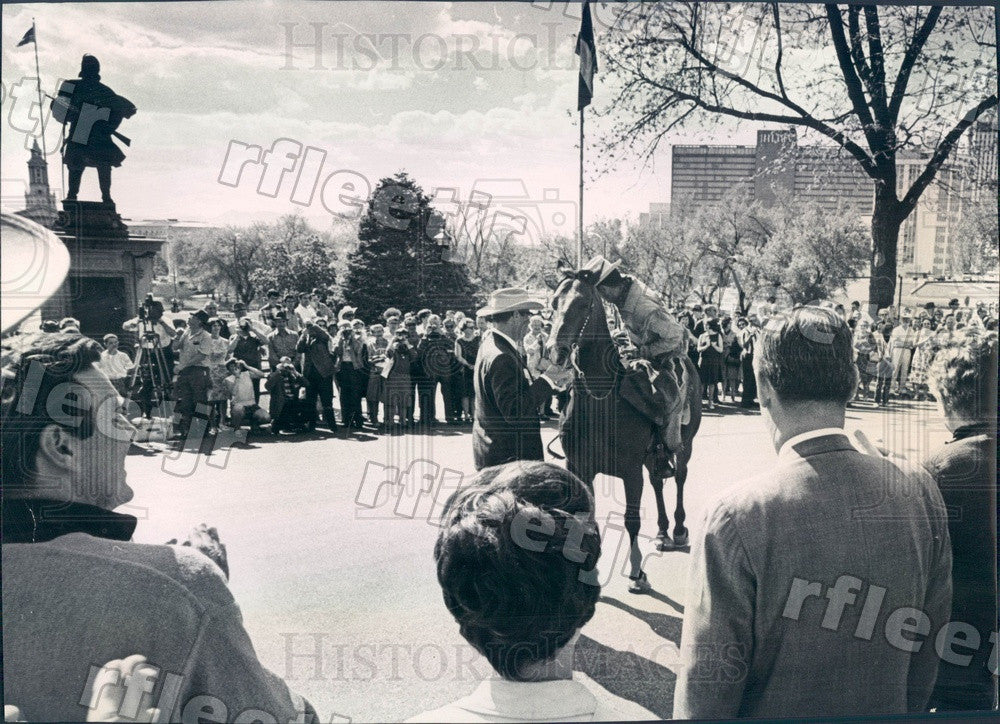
(150, 323)
(352, 361)
(318, 367)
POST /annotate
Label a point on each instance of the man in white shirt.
(117, 365)
(901, 343)
(306, 311)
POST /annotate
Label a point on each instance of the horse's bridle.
(574, 355)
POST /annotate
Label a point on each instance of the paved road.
(334, 571)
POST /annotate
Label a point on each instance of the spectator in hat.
(436, 363)
(116, 364)
(69, 324)
(49, 325)
(352, 374)
(902, 342)
(346, 313)
(281, 342)
(392, 325)
(506, 423)
(284, 384)
(422, 316)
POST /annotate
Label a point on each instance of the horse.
(599, 431)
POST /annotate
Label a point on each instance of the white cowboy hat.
(601, 267)
(510, 299)
(35, 263)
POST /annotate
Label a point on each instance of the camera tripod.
(151, 375)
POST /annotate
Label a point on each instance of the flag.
(29, 37)
(587, 50)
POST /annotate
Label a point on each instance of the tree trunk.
(886, 220)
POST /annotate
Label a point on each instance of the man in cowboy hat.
(659, 339)
(506, 425)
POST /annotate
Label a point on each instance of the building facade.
(778, 168)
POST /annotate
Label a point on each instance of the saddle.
(638, 390)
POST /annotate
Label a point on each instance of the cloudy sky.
(460, 95)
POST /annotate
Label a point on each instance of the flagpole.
(579, 245)
(38, 81)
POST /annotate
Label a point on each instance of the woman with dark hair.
(516, 560)
(710, 365)
(466, 350)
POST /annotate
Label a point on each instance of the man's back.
(79, 601)
(770, 632)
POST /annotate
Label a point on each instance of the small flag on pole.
(587, 50)
(29, 37)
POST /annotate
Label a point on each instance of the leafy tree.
(811, 252)
(975, 246)
(296, 257)
(873, 80)
(397, 261)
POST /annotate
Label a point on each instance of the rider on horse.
(660, 340)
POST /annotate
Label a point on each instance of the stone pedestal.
(110, 270)
(91, 219)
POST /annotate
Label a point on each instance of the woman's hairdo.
(516, 560)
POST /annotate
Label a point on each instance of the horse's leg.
(633, 500)
(680, 476)
(662, 520)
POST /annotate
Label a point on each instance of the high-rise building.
(777, 169)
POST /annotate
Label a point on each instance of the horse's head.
(572, 303)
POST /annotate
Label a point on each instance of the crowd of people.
(763, 635)
(304, 354)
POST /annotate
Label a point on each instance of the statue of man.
(93, 112)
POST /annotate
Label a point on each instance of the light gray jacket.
(80, 601)
(764, 634)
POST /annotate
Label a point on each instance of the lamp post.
(173, 252)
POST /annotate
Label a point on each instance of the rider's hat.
(601, 267)
(510, 299)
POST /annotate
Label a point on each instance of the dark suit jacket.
(315, 344)
(763, 633)
(966, 471)
(506, 425)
